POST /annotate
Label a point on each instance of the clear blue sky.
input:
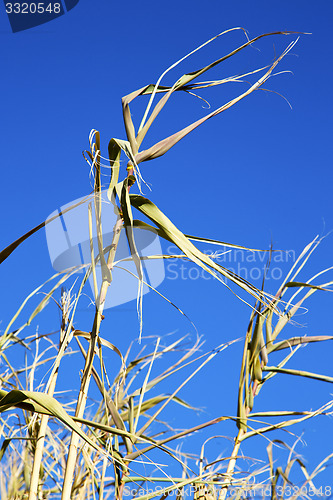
(258, 172)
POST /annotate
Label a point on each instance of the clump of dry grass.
(118, 444)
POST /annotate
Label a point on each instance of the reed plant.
(111, 439)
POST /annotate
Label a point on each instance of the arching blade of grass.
(173, 234)
(156, 230)
(294, 341)
(30, 401)
(51, 405)
(282, 413)
(163, 146)
(299, 373)
(287, 315)
(5, 253)
(181, 84)
(103, 342)
(298, 284)
(178, 86)
(287, 423)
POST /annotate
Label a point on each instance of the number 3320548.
(33, 8)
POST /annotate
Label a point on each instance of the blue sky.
(257, 173)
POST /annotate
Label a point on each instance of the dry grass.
(119, 444)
